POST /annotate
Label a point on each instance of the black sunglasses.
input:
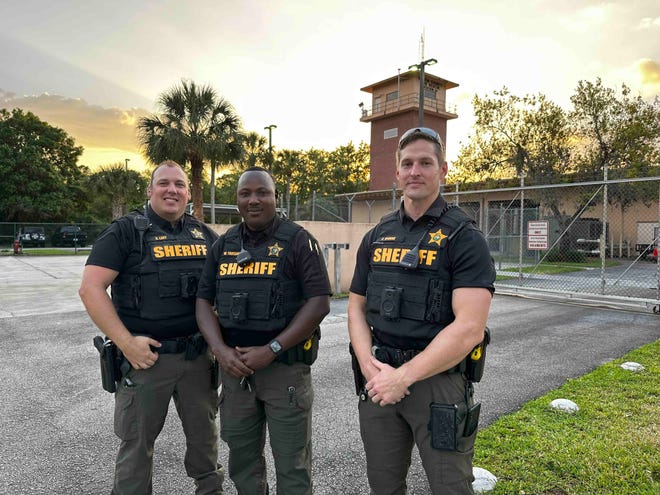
(420, 132)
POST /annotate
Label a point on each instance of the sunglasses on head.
(420, 132)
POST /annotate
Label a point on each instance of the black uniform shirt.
(118, 248)
(304, 262)
(470, 260)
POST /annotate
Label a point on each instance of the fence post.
(657, 247)
(337, 268)
(603, 232)
(522, 224)
(456, 198)
(313, 204)
(288, 196)
(393, 196)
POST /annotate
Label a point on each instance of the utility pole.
(270, 145)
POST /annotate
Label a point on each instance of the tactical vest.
(164, 284)
(412, 304)
(257, 296)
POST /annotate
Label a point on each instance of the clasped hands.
(386, 385)
(244, 361)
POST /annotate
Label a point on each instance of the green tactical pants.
(279, 396)
(140, 411)
(389, 432)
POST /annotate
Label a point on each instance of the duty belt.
(397, 357)
(193, 346)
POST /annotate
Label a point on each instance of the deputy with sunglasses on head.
(417, 307)
(268, 282)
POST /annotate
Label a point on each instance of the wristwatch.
(276, 347)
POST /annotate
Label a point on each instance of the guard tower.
(395, 105)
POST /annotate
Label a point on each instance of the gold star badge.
(274, 250)
(197, 234)
(436, 237)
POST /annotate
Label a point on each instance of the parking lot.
(57, 421)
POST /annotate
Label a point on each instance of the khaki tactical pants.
(279, 396)
(140, 410)
(389, 432)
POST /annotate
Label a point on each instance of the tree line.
(607, 133)
(531, 135)
(195, 126)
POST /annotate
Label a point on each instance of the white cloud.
(649, 23)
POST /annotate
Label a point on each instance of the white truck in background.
(648, 239)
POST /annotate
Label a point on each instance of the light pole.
(126, 160)
(270, 144)
(420, 66)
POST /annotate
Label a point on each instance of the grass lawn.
(610, 447)
(47, 252)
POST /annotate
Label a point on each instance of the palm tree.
(191, 120)
(123, 187)
(226, 148)
(256, 150)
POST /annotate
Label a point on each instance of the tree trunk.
(196, 165)
(212, 192)
(117, 207)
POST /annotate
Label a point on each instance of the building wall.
(383, 150)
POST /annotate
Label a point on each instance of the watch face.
(275, 347)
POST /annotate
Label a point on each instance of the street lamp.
(420, 66)
(126, 160)
(270, 144)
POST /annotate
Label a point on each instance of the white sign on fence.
(537, 234)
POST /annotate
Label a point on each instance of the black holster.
(476, 360)
(111, 363)
(305, 352)
(358, 378)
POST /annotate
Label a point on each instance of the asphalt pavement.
(57, 421)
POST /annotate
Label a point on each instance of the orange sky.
(301, 65)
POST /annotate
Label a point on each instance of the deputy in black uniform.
(153, 264)
(418, 305)
(268, 282)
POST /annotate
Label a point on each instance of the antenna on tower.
(421, 45)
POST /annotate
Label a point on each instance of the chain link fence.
(318, 208)
(34, 235)
(594, 240)
(591, 240)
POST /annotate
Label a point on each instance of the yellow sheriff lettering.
(179, 251)
(254, 268)
(394, 255)
(386, 255)
(427, 256)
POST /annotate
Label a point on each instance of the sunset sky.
(94, 67)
